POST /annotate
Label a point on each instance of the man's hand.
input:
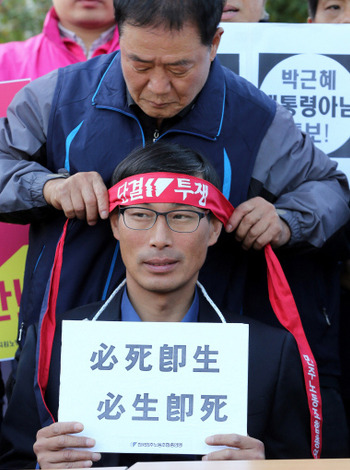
(83, 195)
(55, 447)
(257, 223)
(238, 448)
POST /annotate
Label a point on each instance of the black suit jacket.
(277, 404)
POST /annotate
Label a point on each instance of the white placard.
(144, 387)
(306, 68)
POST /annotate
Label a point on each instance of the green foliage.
(20, 19)
(287, 11)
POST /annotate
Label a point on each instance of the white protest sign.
(144, 387)
(306, 68)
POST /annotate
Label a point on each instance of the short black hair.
(167, 157)
(173, 14)
(312, 8)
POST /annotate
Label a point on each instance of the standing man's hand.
(56, 446)
(83, 195)
(238, 447)
(257, 223)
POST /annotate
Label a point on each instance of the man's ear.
(215, 230)
(114, 221)
(215, 43)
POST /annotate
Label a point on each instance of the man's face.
(159, 260)
(332, 11)
(87, 14)
(240, 11)
(165, 70)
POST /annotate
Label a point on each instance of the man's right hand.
(257, 223)
(83, 195)
(57, 447)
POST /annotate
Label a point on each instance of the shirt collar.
(128, 312)
(102, 39)
(149, 124)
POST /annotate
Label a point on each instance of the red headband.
(174, 188)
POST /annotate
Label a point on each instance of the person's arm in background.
(303, 191)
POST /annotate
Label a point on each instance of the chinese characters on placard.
(179, 407)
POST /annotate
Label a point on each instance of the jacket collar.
(113, 310)
(205, 119)
(52, 32)
(50, 28)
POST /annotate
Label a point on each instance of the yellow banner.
(11, 283)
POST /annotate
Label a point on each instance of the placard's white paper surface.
(154, 387)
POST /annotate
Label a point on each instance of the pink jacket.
(45, 52)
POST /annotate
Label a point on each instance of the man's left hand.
(238, 448)
(257, 223)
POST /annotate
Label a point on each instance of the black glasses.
(182, 221)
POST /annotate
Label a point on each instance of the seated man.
(163, 244)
